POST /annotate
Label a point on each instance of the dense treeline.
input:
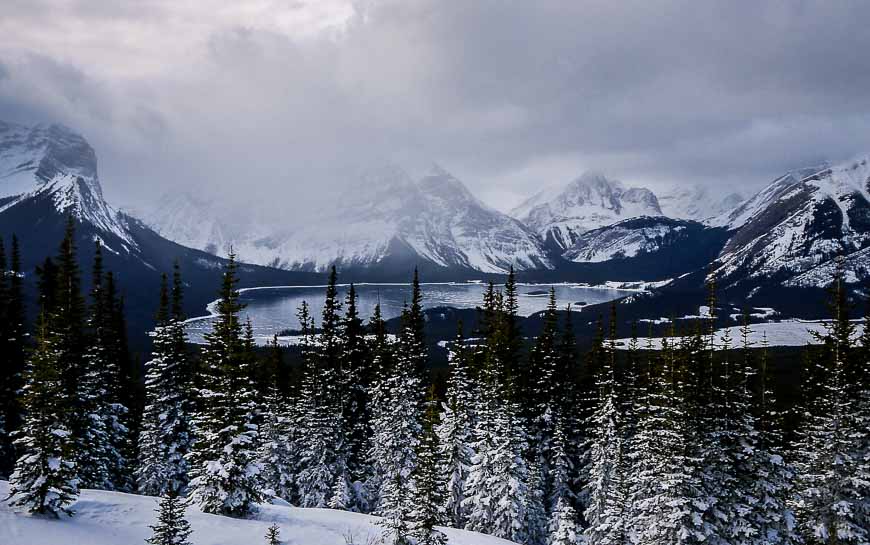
(530, 441)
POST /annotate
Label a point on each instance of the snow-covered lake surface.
(784, 333)
(273, 309)
(112, 518)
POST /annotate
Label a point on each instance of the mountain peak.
(50, 161)
(589, 201)
(443, 185)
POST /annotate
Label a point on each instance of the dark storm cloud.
(280, 101)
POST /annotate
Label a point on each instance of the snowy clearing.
(112, 518)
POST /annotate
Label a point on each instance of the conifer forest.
(526, 439)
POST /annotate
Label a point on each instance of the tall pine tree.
(224, 459)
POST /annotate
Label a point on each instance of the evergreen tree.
(606, 490)
(166, 433)
(12, 342)
(324, 479)
(454, 433)
(356, 370)
(831, 471)
(565, 530)
(223, 461)
(428, 494)
(667, 497)
(546, 396)
(273, 535)
(276, 456)
(771, 476)
(378, 443)
(64, 315)
(509, 484)
(537, 525)
(171, 528)
(398, 429)
(45, 480)
(103, 464)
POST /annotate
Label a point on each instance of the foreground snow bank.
(112, 518)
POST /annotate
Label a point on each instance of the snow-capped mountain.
(51, 163)
(739, 215)
(48, 173)
(628, 238)
(560, 215)
(696, 202)
(792, 231)
(435, 220)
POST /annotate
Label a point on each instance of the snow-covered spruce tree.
(377, 443)
(171, 528)
(276, 457)
(103, 464)
(537, 524)
(498, 479)
(561, 470)
(64, 312)
(428, 496)
(356, 370)
(667, 499)
(45, 479)
(323, 455)
(480, 502)
(273, 535)
(770, 474)
(398, 431)
(565, 530)
(12, 342)
(223, 461)
(545, 394)
(454, 433)
(165, 437)
(510, 477)
(398, 434)
(395, 521)
(832, 484)
(356, 365)
(298, 426)
(606, 487)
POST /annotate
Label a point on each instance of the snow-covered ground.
(785, 333)
(112, 518)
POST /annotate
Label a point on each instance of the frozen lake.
(273, 309)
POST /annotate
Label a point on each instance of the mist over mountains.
(594, 228)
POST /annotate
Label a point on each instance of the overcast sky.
(279, 100)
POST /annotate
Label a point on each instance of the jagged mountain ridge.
(48, 173)
(629, 238)
(560, 215)
(793, 230)
(436, 220)
(52, 162)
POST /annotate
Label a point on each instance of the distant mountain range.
(788, 236)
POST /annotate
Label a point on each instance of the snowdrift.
(112, 518)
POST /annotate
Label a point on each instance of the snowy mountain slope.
(559, 215)
(744, 212)
(696, 202)
(436, 220)
(628, 238)
(792, 231)
(52, 163)
(191, 222)
(47, 174)
(112, 518)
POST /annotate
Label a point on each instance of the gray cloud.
(279, 103)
